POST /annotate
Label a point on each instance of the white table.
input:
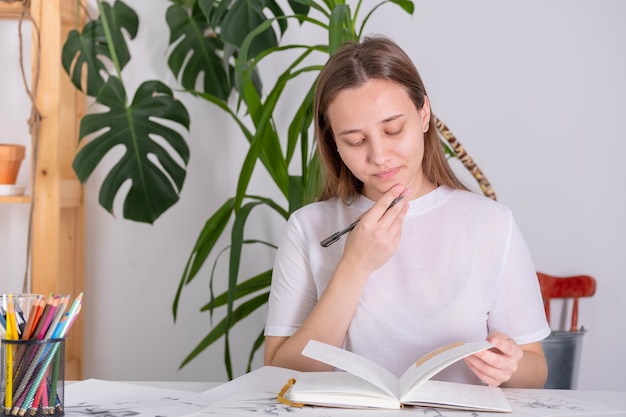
(216, 390)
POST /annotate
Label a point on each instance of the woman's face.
(380, 136)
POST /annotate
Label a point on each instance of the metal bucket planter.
(563, 350)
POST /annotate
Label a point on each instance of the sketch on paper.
(439, 412)
(95, 410)
(545, 404)
(100, 398)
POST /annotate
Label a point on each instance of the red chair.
(571, 287)
(563, 348)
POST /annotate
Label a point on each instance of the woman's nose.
(378, 154)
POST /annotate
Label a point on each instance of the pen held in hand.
(336, 236)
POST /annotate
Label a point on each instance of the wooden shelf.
(10, 10)
(15, 199)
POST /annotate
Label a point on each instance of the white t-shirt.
(462, 269)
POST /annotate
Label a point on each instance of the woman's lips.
(387, 174)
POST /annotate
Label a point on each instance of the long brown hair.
(351, 66)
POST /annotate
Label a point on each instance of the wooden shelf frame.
(11, 10)
(15, 199)
(57, 251)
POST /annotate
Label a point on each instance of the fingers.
(505, 345)
(384, 220)
(389, 203)
(395, 195)
(377, 235)
(485, 371)
(498, 364)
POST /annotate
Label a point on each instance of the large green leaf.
(241, 19)
(340, 28)
(194, 54)
(299, 8)
(89, 51)
(155, 174)
(214, 11)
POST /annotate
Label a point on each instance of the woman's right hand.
(377, 235)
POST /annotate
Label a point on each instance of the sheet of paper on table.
(545, 403)
(94, 397)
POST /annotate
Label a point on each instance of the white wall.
(14, 114)
(532, 89)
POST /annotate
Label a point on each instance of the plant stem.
(110, 44)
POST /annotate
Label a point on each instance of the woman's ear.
(424, 113)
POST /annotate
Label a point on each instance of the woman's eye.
(395, 132)
(357, 142)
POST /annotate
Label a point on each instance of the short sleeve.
(518, 308)
(293, 292)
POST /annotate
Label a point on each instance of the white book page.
(424, 370)
(341, 389)
(454, 395)
(354, 364)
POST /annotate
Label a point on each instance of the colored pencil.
(8, 400)
(33, 317)
(63, 302)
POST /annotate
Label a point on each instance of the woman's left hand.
(497, 365)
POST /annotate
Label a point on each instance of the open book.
(365, 384)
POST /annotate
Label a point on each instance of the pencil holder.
(33, 377)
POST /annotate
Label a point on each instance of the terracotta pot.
(11, 157)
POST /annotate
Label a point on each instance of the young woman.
(441, 265)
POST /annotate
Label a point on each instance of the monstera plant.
(218, 45)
